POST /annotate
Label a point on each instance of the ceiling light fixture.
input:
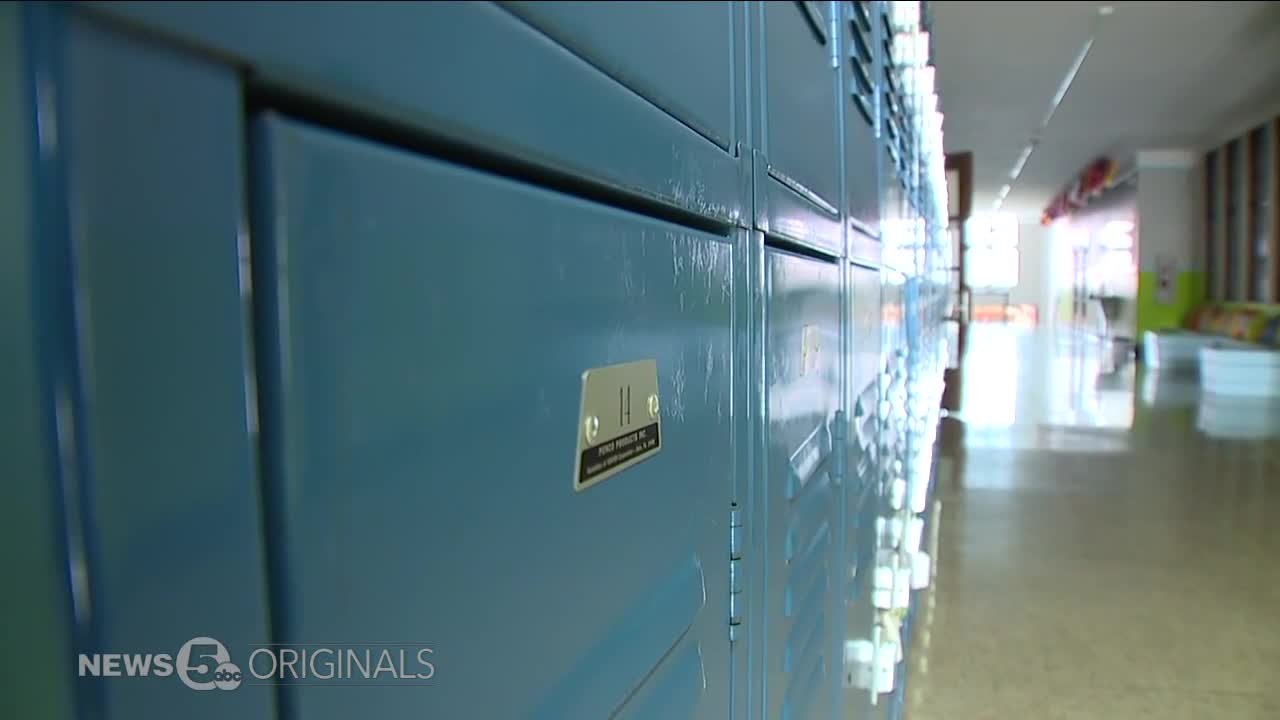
(1058, 97)
(1000, 196)
(1021, 162)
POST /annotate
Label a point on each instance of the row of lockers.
(604, 92)
(312, 297)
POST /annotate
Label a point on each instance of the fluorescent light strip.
(1058, 97)
(1070, 78)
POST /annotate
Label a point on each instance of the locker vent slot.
(863, 64)
(808, 517)
(807, 579)
(862, 15)
(807, 459)
(865, 462)
(864, 542)
(807, 587)
(807, 686)
(816, 19)
(804, 641)
(886, 27)
(864, 107)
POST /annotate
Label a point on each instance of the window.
(1115, 267)
(1235, 227)
(1212, 222)
(1259, 224)
(991, 259)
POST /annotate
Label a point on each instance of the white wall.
(1168, 210)
(1033, 276)
(1240, 124)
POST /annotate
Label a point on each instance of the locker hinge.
(736, 542)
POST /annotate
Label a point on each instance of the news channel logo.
(205, 663)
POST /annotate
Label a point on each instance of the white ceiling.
(1159, 75)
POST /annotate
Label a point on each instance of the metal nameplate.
(620, 423)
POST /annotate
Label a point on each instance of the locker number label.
(620, 424)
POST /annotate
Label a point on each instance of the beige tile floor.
(1101, 553)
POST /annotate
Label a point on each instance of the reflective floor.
(1108, 545)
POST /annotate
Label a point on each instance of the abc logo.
(204, 664)
(227, 676)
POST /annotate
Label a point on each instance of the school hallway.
(1103, 552)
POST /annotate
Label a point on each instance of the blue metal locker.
(471, 75)
(426, 327)
(867, 318)
(862, 510)
(329, 382)
(802, 487)
(36, 602)
(138, 200)
(800, 110)
(864, 502)
(684, 57)
(798, 166)
(861, 142)
(861, 507)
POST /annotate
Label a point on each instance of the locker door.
(679, 55)
(800, 98)
(859, 613)
(866, 314)
(861, 501)
(150, 365)
(862, 509)
(802, 315)
(424, 361)
(861, 173)
(476, 75)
